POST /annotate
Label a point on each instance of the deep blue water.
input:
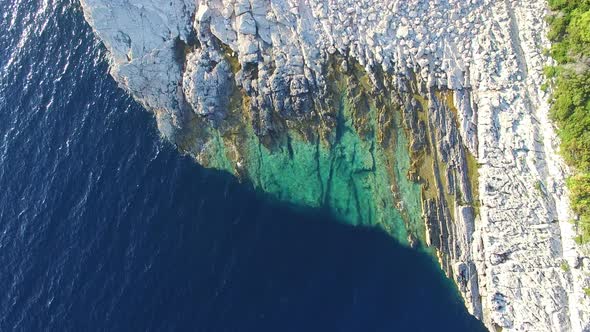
(103, 226)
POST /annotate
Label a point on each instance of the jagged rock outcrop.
(206, 82)
(466, 76)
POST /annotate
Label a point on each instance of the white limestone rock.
(207, 82)
(141, 37)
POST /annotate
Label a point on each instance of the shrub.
(569, 33)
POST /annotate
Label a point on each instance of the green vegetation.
(565, 266)
(587, 291)
(570, 36)
(539, 187)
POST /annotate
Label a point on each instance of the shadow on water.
(228, 259)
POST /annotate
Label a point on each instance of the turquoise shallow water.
(103, 226)
(359, 179)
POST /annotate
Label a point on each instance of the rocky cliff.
(423, 117)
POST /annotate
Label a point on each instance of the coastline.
(499, 114)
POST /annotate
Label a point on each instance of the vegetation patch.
(565, 266)
(569, 32)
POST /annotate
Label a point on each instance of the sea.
(104, 226)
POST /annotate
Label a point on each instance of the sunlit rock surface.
(423, 117)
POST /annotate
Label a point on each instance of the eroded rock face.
(464, 76)
(141, 38)
(206, 82)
